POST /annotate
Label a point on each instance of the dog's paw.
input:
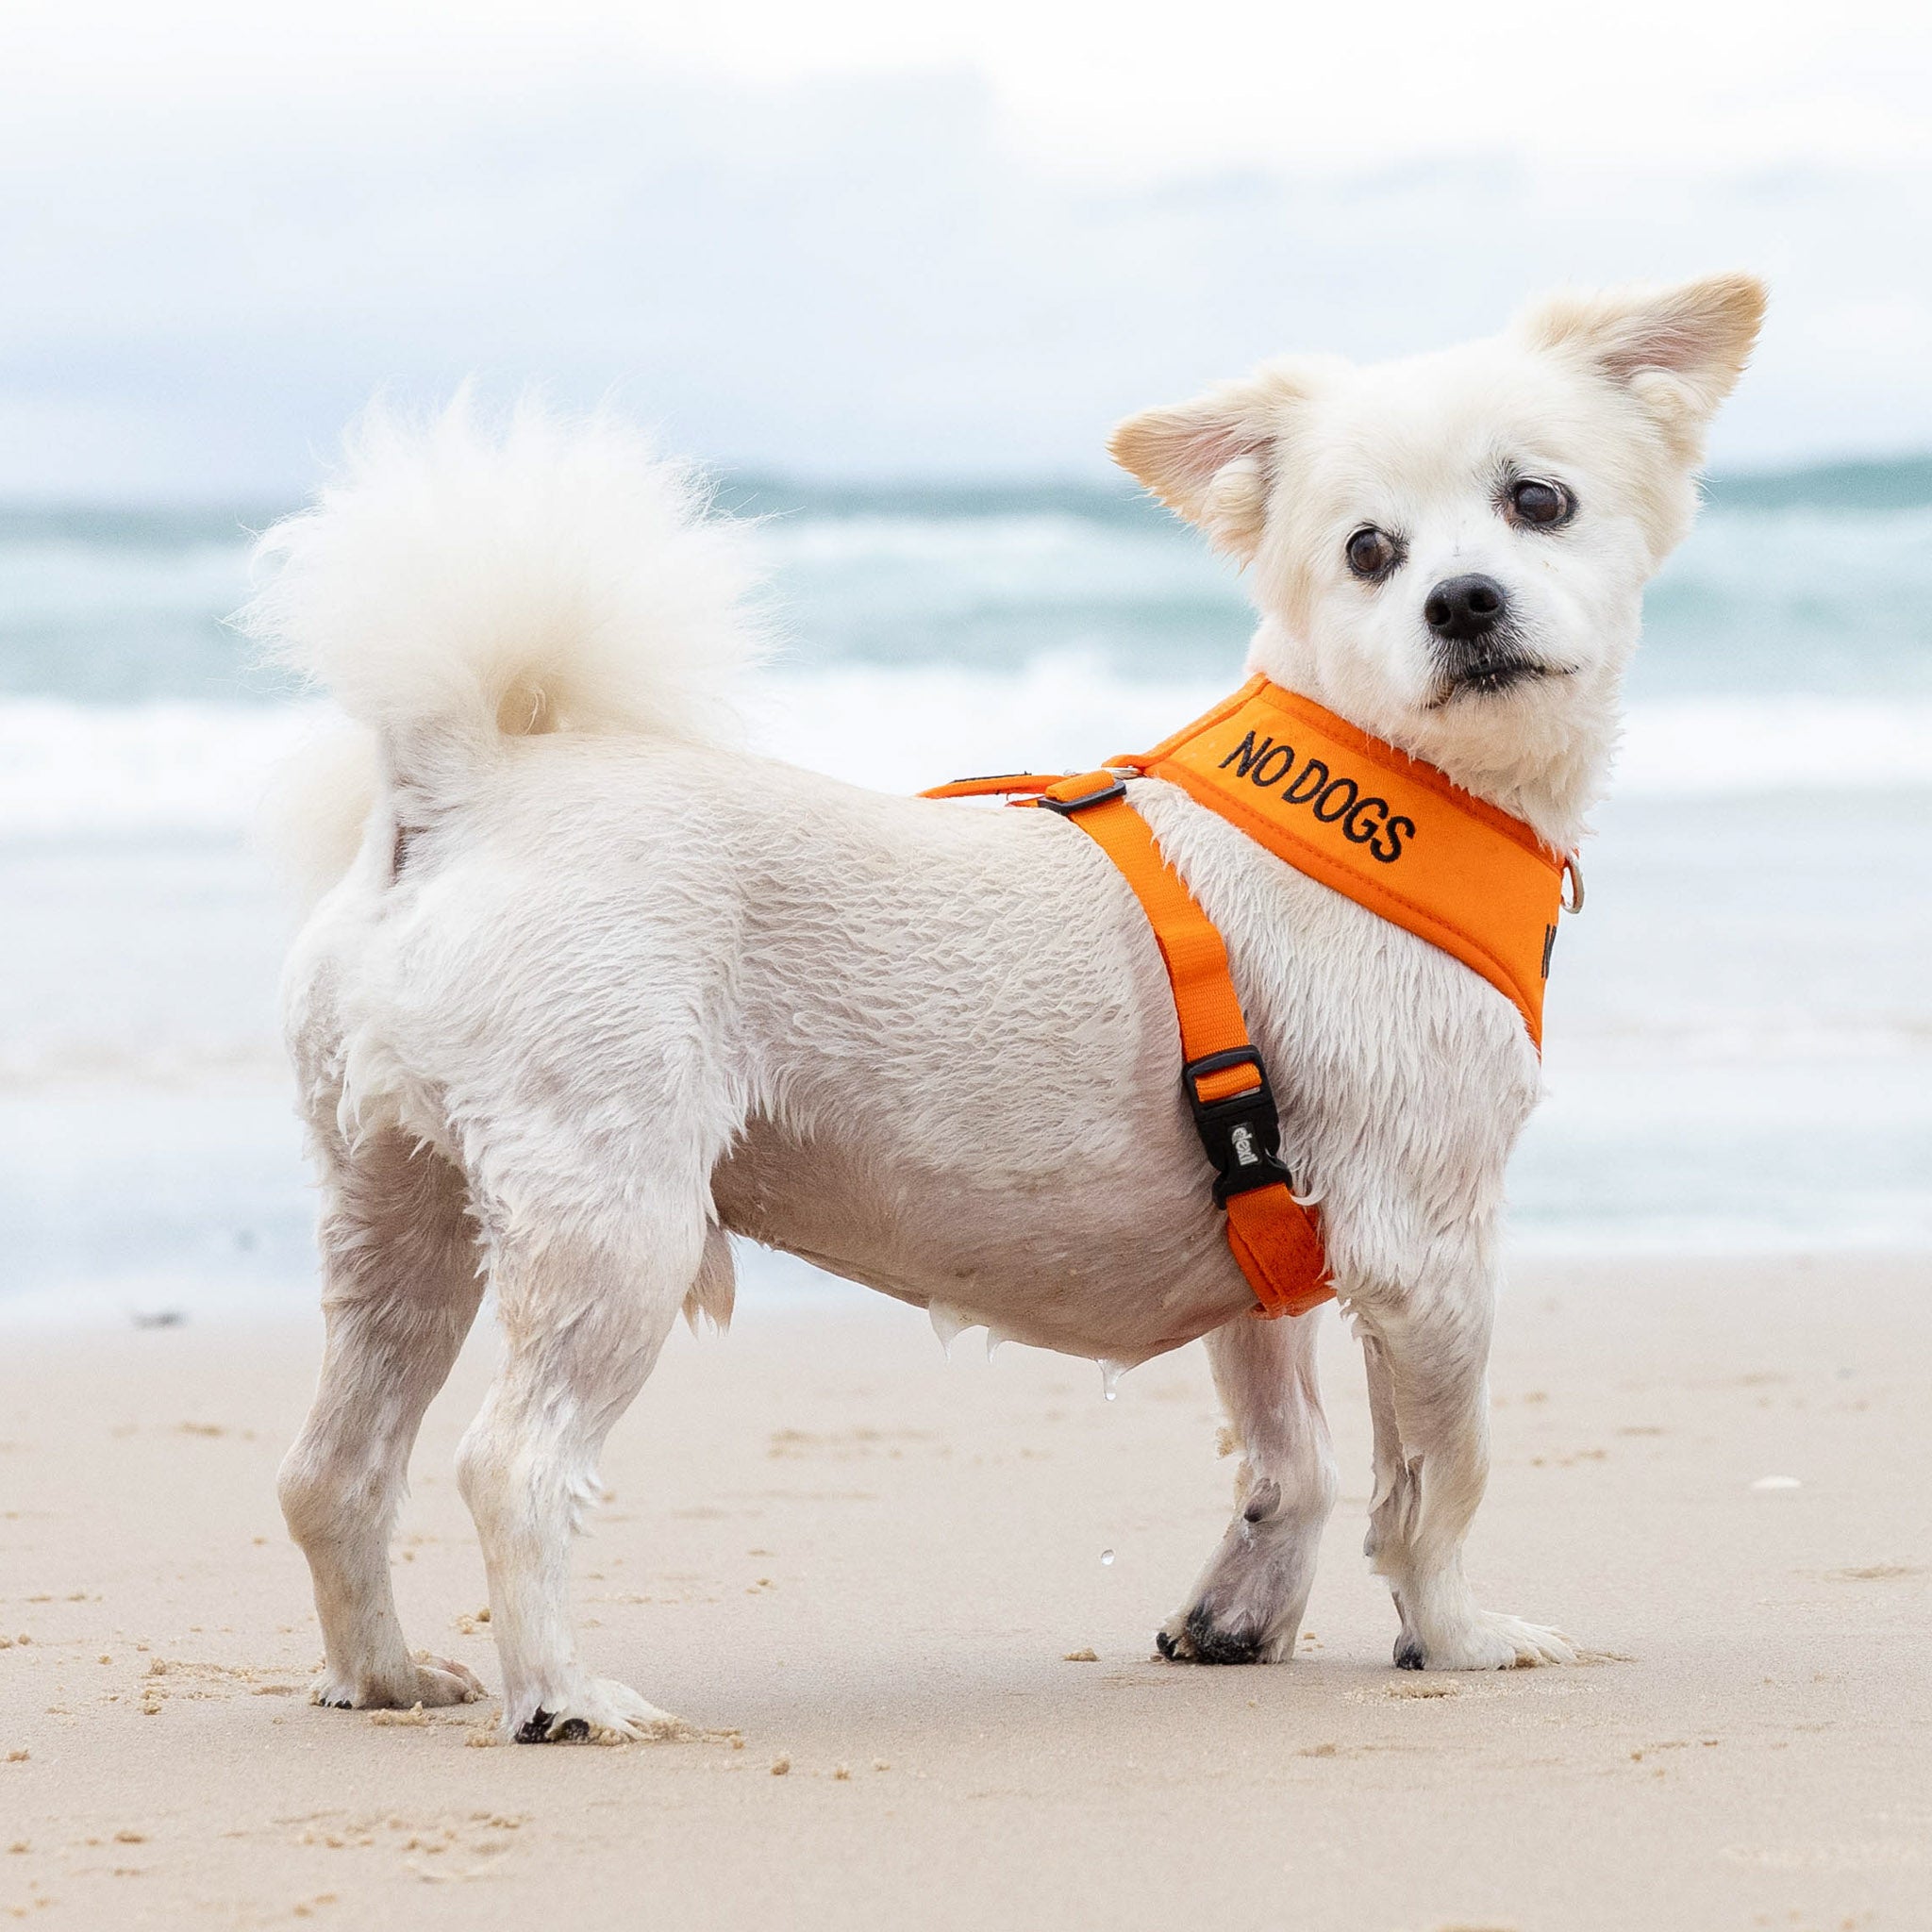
(1489, 1641)
(430, 1681)
(1246, 1606)
(602, 1711)
(1197, 1636)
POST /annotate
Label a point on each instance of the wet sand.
(836, 1551)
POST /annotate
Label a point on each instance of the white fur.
(596, 986)
(462, 579)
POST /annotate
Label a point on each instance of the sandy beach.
(839, 1553)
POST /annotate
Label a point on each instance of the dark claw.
(1166, 1646)
(575, 1731)
(536, 1728)
(1217, 1647)
(1410, 1655)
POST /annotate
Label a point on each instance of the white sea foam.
(182, 769)
(1696, 747)
(147, 771)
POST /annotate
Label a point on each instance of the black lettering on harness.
(1294, 794)
(1334, 801)
(1334, 790)
(1263, 776)
(1392, 831)
(1356, 829)
(1247, 751)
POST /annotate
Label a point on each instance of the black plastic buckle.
(1068, 807)
(1243, 1133)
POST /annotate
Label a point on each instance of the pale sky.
(855, 238)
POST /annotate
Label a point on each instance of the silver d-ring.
(1573, 884)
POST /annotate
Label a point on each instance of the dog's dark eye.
(1545, 505)
(1373, 553)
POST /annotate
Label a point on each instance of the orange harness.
(1382, 828)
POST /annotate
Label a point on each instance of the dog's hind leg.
(585, 1308)
(402, 1284)
(1248, 1603)
(1429, 1397)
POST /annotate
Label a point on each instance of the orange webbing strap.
(1000, 786)
(1272, 1235)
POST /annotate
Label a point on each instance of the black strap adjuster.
(1243, 1133)
(1068, 807)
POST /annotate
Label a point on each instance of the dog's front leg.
(1248, 1603)
(1429, 1397)
(583, 1316)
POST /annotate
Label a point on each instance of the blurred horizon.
(1888, 482)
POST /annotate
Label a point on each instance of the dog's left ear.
(1678, 350)
(1213, 460)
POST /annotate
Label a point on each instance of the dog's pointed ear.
(1213, 460)
(1679, 350)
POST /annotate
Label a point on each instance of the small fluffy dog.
(590, 987)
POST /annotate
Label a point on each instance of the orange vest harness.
(1381, 827)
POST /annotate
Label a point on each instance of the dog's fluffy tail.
(464, 581)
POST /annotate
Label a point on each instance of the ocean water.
(1740, 1026)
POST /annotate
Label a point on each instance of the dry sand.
(874, 1566)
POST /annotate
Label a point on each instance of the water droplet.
(996, 1339)
(948, 1322)
(1106, 1556)
(1110, 1373)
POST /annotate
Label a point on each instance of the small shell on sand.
(414, 1715)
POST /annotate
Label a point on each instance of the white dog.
(590, 986)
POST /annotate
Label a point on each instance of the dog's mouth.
(1490, 676)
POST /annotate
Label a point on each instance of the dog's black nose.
(1460, 609)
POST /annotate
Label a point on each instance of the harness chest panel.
(1384, 830)
(1388, 831)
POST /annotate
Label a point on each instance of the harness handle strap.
(1272, 1237)
(998, 785)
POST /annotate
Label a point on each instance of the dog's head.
(1450, 550)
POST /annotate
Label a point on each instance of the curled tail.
(462, 582)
